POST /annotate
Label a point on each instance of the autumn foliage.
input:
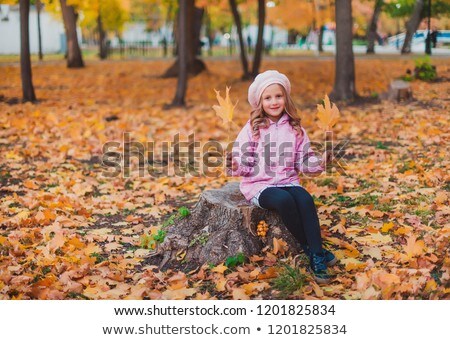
(68, 232)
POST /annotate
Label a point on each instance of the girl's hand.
(327, 158)
(231, 162)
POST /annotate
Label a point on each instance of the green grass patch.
(288, 281)
(381, 146)
(236, 260)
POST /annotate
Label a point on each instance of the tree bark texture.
(193, 27)
(179, 99)
(38, 10)
(259, 40)
(344, 83)
(412, 25)
(372, 32)
(103, 52)
(25, 61)
(243, 52)
(74, 57)
(321, 31)
(221, 224)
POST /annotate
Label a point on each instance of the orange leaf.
(376, 213)
(179, 280)
(340, 227)
(57, 241)
(239, 294)
(30, 184)
(414, 247)
(251, 287)
(178, 294)
(279, 246)
(441, 198)
(270, 273)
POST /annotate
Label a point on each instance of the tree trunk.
(320, 43)
(221, 224)
(372, 33)
(74, 57)
(179, 99)
(194, 22)
(259, 40)
(412, 25)
(25, 61)
(237, 21)
(38, 10)
(103, 53)
(344, 83)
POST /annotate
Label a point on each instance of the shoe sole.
(321, 280)
(332, 262)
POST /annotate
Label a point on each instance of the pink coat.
(275, 159)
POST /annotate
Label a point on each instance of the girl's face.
(273, 102)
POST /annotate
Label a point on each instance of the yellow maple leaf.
(328, 114)
(219, 269)
(225, 109)
(387, 226)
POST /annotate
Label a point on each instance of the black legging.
(298, 212)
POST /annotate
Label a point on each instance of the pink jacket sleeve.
(306, 160)
(244, 153)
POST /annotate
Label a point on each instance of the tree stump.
(221, 224)
(399, 90)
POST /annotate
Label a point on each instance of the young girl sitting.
(269, 152)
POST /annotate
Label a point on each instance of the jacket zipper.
(276, 142)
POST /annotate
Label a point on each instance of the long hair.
(259, 118)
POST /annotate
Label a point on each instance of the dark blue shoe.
(318, 268)
(330, 259)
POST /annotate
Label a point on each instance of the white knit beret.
(263, 80)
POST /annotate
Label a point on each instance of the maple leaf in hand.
(328, 114)
(225, 109)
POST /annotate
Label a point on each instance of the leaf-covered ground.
(68, 232)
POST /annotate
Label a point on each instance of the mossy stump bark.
(221, 224)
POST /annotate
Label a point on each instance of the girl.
(269, 152)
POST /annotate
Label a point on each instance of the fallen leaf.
(279, 246)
